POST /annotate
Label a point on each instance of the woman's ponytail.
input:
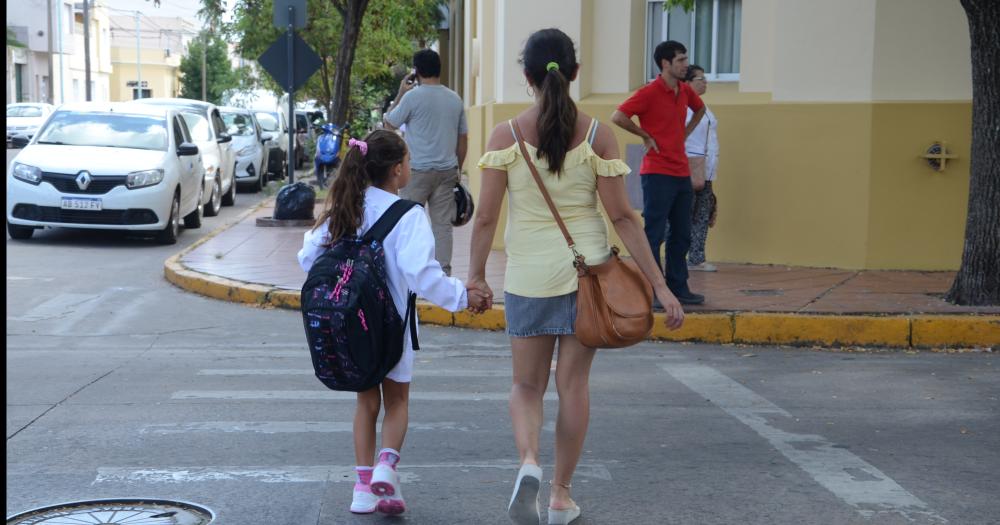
(549, 60)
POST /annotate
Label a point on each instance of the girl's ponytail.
(365, 164)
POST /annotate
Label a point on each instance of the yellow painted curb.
(924, 331)
(946, 331)
(431, 314)
(828, 330)
(489, 320)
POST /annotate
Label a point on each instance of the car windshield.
(198, 126)
(112, 130)
(24, 111)
(238, 124)
(268, 121)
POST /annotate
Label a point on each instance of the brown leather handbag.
(614, 301)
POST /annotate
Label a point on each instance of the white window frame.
(710, 75)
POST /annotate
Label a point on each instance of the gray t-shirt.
(434, 118)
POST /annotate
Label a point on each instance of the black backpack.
(354, 331)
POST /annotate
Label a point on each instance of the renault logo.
(83, 180)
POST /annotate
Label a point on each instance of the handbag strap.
(578, 259)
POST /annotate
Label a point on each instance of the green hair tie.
(551, 66)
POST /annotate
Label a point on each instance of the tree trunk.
(352, 12)
(978, 279)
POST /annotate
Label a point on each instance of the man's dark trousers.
(666, 198)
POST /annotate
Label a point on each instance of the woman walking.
(702, 142)
(578, 161)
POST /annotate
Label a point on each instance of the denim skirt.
(534, 316)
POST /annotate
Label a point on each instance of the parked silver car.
(249, 143)
(24, 118)
(208, 132)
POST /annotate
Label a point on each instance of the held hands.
(672, 308)
(480, 296)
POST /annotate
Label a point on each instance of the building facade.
(28, 75)
(153, 51)
(825, 112)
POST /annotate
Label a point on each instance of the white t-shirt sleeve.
(414, 253)
(313, 246)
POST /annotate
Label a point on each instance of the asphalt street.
(121, 385)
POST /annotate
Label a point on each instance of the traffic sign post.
(290, 61)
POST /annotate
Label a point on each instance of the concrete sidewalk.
(753, 304)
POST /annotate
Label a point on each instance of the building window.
(146, 93)
(711, 33)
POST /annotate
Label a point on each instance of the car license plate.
(81, 204)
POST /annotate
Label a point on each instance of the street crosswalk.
(858, 484)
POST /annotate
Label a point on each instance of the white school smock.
(409, 261)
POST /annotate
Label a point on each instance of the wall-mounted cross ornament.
(937, 156)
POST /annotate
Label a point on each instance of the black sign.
(281, 13)
(275, 61)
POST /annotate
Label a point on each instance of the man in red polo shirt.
(667, 195)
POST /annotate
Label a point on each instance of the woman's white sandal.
(523, 508)
(563, 516)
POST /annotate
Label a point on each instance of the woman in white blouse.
(703, 141)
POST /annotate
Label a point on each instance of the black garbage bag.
(295, 202)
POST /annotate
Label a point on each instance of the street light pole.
(86, 47)
(62, 91)
(138, 58)
(204, 53)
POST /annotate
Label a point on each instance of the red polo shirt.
(662, 112)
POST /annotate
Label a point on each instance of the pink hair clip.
(362, 145)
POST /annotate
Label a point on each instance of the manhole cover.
(764, 293)
(116, 512)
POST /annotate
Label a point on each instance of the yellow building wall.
(161, 75)
(918, 214)
(820, 139)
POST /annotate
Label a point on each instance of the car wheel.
(229, 199)
(20, 233)
(169, 234)
(215, 203)
(193, 220)
(262, 178)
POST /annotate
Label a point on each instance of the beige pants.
(434, 189)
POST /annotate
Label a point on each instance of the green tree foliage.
(391, 30)
(220, 76)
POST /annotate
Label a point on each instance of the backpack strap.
(378, 232)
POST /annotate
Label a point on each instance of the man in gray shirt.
(437, 137)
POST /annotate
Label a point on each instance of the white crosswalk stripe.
(855, 481)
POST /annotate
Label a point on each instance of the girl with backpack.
(372, 173)
(578, 162)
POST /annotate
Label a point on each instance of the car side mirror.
(19, 141)
(224, 138)
(264, 137)
(187, 149)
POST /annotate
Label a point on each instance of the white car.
(107, 166)
(248, 142)
(218, 157)
(25, 118)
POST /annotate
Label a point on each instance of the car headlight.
(141, 179)
(247, 150)
(29, 174)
